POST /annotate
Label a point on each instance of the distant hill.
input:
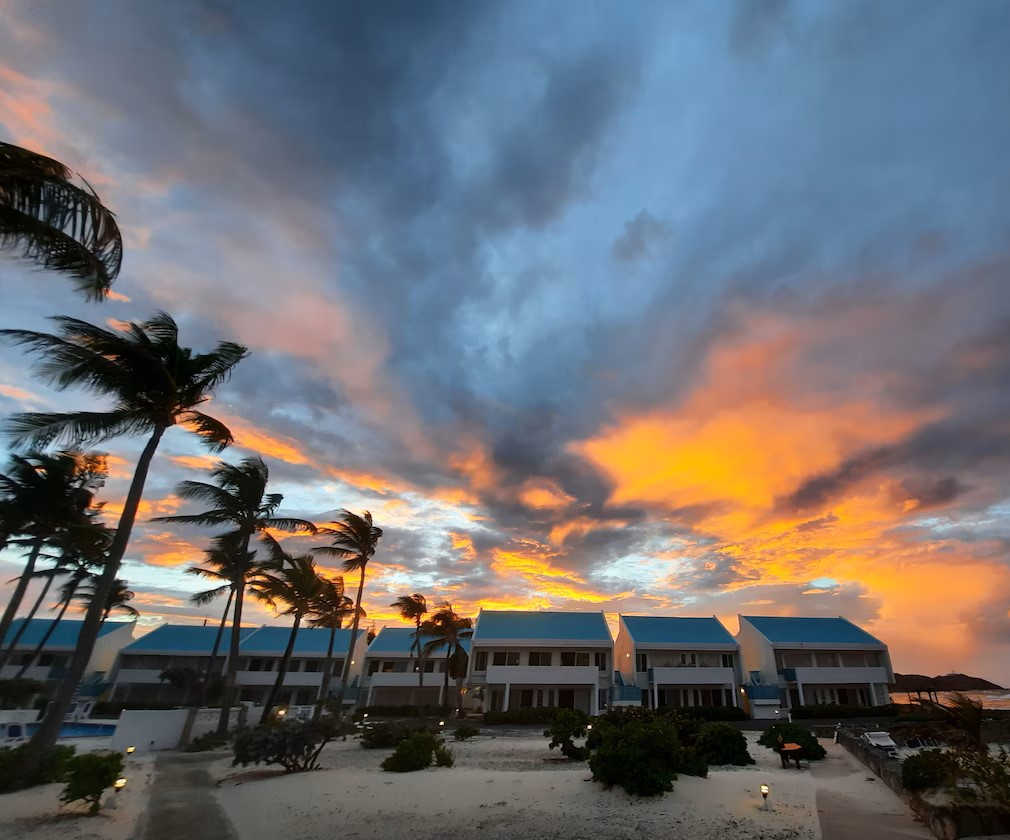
(947, 682)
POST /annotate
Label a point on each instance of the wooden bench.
(791, 752)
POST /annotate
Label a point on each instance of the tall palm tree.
(55, 223)
(238, 500)
(117, 599)
(354, 542)
(81, 554)
(292, 586)
(41, 496)
(155, 384)
(447, 629)
(413, 608)
(331, 609)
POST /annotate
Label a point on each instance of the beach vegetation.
(444, 756)
(447, 630)
(88, 776)
(390, 733)
(52, 768)
(294, 744)
(330, 610)
(530, 716)
(926, 770)
(792, 733)
(464, 733)
(568, 725)
(418, 751)
(720, 743)
(413, 608)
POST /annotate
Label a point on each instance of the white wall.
(150, 730)
(107, 647)
(624, 654)
(756, 654)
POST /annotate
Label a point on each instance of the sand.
(38, 814)
(509, 787)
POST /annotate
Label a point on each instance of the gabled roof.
(398, 640)
(657, 630)
(63, 637)
(519, 626)
(274, 640)
(184, 638)
(794, 630)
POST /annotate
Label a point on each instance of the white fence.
(150, 730)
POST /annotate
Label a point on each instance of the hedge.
(833, 710)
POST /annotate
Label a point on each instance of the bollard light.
(119, 784)
(130, 750)
(441, 723)
(764, 792)
(366, 714)
(589, 726)
(281, 712)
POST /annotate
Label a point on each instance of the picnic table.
(791, 752)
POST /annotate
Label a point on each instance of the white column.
(594, 700)
(371, 689)
(655, 696)
(873, 695)
(735, 690)
(799, 690)
(505, 701)
(441, 694)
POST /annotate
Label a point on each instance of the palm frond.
(215, 434)
(42, 429)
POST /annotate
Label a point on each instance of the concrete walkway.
(182, 804)
(852, 808)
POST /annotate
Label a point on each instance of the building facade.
(394, 676)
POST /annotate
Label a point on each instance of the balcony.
(139, 676)
(763, 692)
(391, 679)
(835, 676)
(692, 676)
(291, 680)
(582, 675)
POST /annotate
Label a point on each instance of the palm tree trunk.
(28, 620)
(420, 662)
(18, 596)
(42, 642)
(282, 672)
(228, 694)
(445, 693)
(217, 647)
(345, 672)
(324, 688)
(48, 732)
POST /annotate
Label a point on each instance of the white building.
(50, 665)
(392, 676)
(815, 660)
(526, 659)
(680, 662)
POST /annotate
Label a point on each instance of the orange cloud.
(544, 494)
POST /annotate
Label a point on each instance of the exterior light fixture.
(352, 662)
(281, 712)
(119, 784)
(589, 726)
(743, 690)
(441, 723)
(764, 793)
(130, 750)
(366, 714)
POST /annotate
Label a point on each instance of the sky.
(671, 308)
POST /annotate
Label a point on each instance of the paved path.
(866, 809)
(182, 804)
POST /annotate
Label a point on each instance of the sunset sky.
(663, 308)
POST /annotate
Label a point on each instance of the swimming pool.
(80, 730)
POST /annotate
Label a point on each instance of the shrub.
(926, 770)
(720, 743)
(89, 775)
(294, 744)
(208, 741)
(834, 710)
(642, 755)
(464, 732)
(792, 733)
(529, 716)
(388, 734)
(567, 725)
(988, 773)
(52, 769)
(444, 756)
(415, 752)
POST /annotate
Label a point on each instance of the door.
(566, 698)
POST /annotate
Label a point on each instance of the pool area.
(80, 730)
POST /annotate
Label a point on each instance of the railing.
(763, 692)
(627, 693)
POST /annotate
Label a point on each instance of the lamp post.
(764, 793)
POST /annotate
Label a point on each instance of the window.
(852, 659)
(600, 659)
(641, 662)
(572, 658)
(503, 657)
(387, 667)
(373, 666)
(295, 665)
(541, 657)
(795, 659)
(312, 666)
(688, 660)
(480, 662)
(727, 660)
(430, 666)
(827, 659)
(400, 667)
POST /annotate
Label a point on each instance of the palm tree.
(117, 599)
(413, 608)
(155, 383)
(238, 500)
(292, 586)
(354, 542)
(56, 223)
(182, 679)
(41, 496)
(448, 630)
(330, 610)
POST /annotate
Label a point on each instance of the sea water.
(993, 699)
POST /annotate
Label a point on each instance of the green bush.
(642, 755)
(208, 741)
(388, 734)
(465, 732)
(415, 752)
(687, 727)
(792, 733)
(89, 775)
(720, 743)
(52, 769)
(988, 774)
(926, 770)
(567, 725)
(833, 710)
(444, 756)
(294, 744)
(522, 717)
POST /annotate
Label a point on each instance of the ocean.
(995, 699)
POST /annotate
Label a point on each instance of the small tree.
(567, 725)
(88, 777)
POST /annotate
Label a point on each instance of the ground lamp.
(366, 714)
(130, 750)
(281, 712)
(441, 723)
(589, 726)
(764, 793)
(119, 784)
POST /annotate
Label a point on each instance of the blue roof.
(399, 640)
(650, 629)
(308, 640)
(811, 631)
(520, 625)
(184, 638)
(64, 636)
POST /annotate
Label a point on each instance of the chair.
(13, 733)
